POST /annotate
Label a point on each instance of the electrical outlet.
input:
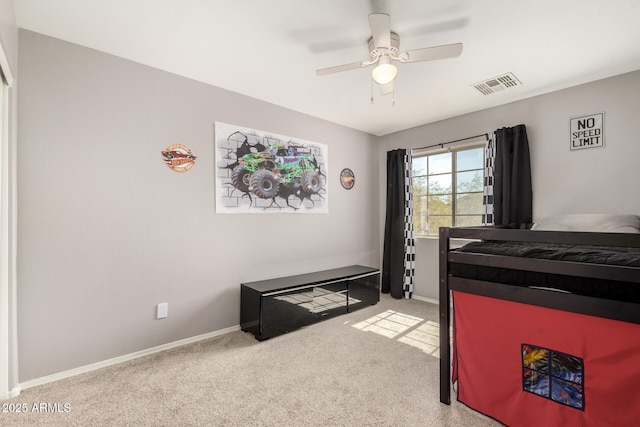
(162, 310)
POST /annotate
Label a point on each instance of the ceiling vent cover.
(497, 84)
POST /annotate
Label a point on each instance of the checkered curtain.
(409, 243)
(399, 249)
(489, 162)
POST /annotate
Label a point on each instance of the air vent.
(497, 84)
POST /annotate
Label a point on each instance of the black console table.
(276, 306)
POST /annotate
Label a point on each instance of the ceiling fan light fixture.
(385, 72)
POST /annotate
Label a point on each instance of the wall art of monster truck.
(260, 172)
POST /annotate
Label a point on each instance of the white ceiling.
(270, 49)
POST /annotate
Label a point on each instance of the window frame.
(479, 143)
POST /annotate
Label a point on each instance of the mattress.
(609, 289)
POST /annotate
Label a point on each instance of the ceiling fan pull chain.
(372, 92)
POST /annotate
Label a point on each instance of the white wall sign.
(587, 131)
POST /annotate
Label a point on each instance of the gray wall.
(107, 230)
(599, 180)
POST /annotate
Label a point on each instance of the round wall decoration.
(347, 179)
(179, 157)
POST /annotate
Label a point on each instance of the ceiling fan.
(384, 47)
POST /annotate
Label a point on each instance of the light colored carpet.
(374, 367)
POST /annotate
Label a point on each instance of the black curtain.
(393, 256)
(512, 194)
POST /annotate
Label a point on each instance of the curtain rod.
(486, 135)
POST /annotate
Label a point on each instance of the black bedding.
(589, 286)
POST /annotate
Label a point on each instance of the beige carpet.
(374, 367)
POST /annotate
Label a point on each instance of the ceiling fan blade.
(340, 68)
(386, 89)
(432, 53)
(380, 24)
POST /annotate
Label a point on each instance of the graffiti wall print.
(261, 172)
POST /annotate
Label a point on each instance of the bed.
(545, 324)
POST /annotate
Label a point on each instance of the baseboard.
(92, 367)
(425, 299)
(125, 358)
(14, 392)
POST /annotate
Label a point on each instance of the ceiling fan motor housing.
(392, 51)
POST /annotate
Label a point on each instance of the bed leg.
(445, 316)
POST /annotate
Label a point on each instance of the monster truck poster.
(261, 172)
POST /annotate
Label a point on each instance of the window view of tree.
(447, 190)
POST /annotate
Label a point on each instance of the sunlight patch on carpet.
(407, 329)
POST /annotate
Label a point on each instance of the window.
(447, 189)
